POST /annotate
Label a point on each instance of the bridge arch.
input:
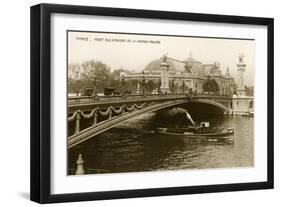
(220, 106)
(115, 121)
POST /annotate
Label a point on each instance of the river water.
(133, 147)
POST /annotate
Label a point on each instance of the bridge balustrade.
(85, 99)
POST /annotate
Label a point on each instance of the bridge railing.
(81, 99)
(84, 99)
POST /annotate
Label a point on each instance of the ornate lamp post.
(122, 82)
(94, 94)
(143, 83)
(159, 88)
(77, 80)
(95, 83)
(183, 86)
(172, 86)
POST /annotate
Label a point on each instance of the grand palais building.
(189, 73)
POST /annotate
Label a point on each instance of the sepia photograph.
(151, 102)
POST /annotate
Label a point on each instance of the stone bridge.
(105, 113)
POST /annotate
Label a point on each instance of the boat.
(197, 132)
(203, 130)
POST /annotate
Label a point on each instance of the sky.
(134, 51)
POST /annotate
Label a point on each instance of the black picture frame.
(41, 98)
